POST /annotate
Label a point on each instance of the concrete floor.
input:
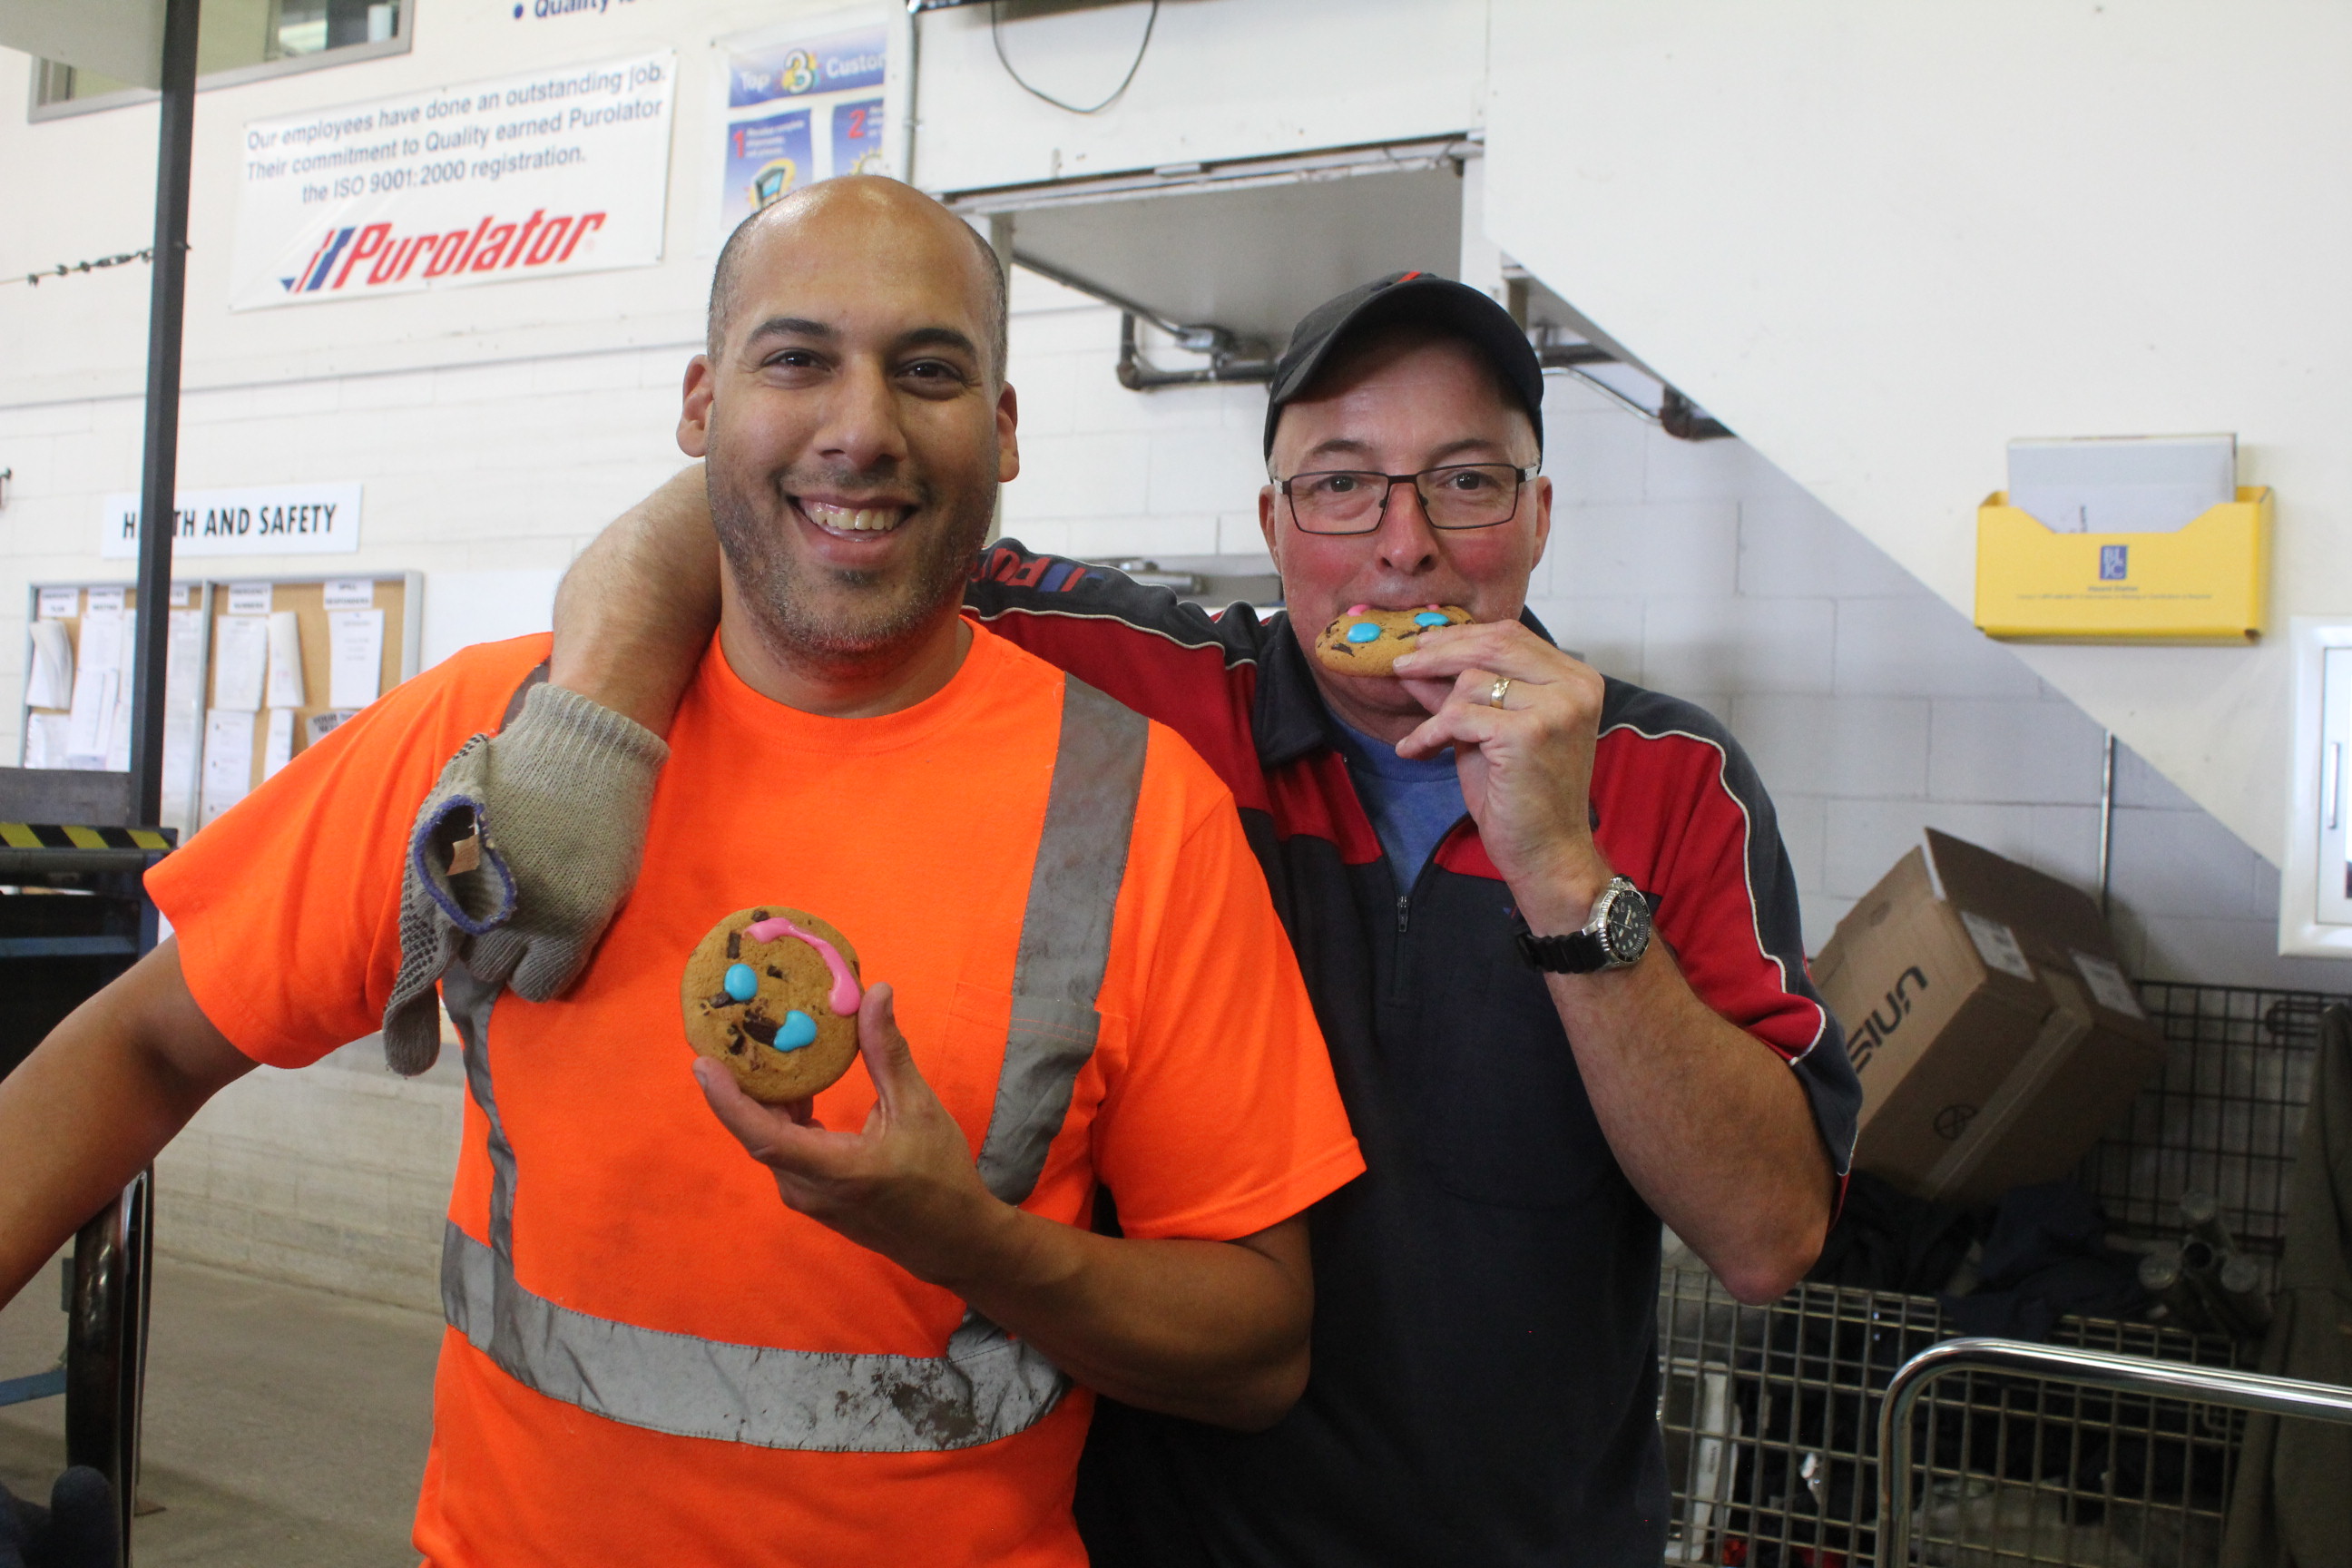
(284, 1426)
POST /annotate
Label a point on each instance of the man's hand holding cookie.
(903, 1185)
(1526, 762)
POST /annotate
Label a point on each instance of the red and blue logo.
(490, 246)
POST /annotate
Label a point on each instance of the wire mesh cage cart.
(1770, 1413)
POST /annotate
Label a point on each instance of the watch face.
(1626, 927)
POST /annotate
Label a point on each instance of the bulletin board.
(83, 599)
(199, 751)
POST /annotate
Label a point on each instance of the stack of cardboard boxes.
(1995, 1035)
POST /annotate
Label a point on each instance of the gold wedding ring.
(1496, 692)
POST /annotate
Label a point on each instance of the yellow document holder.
(2201, 584)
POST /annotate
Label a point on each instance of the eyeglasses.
(1459, 495)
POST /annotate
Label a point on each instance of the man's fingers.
(1504, 648)
(1455, 724)
(1430, 694)
(785, 1136)
(888, 1061)
(1447, 703)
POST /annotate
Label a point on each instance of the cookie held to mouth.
(1366, 641)
(773, 994)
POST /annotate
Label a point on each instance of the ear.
(1268, 499)
(1008, 444)
(1542, 487)
(694, 417)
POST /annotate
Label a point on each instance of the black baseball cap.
(1417, 297)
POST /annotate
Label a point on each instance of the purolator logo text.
(372, 255)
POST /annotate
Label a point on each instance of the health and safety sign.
(255, 520)
(527, 176)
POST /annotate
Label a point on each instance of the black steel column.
(158, 485)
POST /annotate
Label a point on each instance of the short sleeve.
(1726, 904)
(1225, 1119)
(286, 907)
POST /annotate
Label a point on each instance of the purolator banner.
(561, 170)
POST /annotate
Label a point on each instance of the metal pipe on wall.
(2106, 818)
(158, 497)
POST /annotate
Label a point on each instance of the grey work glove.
(527, 845)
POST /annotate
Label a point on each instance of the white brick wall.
(337, 1177)
(1872, 709)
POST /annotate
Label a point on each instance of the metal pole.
(2087, 1369)
(158, 488)
(2106, 818)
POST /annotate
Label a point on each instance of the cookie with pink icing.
(773, 994)
(1366, 641)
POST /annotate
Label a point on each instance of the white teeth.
(847, 519)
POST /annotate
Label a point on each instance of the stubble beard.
(866, 613)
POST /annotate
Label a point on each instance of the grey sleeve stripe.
(1065, 933)
(469, 1001)
(987, 1385)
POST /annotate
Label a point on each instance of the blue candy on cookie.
(1368, 641)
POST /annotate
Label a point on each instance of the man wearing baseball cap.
(1545, 916)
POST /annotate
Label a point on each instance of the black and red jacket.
(1484, 1353)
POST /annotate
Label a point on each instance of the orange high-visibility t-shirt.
(1208, 1106)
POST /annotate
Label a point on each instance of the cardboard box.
(2201, 584)
(1995, 1035)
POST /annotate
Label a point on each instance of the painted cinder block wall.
(1872, 708)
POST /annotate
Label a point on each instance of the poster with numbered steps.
(798, 105)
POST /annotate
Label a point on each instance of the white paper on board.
(285, 660)
(277, 747)
(118, 729)
(184, 714)
(350, 593)
(183, 658)
(45, 739)
(92, 722)
(248, 599)
(59, 604)
(240, 659)
(97, 686)
(228, 760)
(355, 667)
(51, 684)
(102, 642)
(105, 601)
(182, 596)
(181, 715)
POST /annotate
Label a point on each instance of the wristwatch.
(1615, 935)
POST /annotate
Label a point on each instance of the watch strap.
(1577, 953)
(1589, 949)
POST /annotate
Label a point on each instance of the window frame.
(402, 41)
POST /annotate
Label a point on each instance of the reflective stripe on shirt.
(986, 1384)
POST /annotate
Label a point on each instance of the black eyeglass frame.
(1520, 478)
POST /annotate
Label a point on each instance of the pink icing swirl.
(845, 993)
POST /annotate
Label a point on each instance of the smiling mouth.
(851, 522)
